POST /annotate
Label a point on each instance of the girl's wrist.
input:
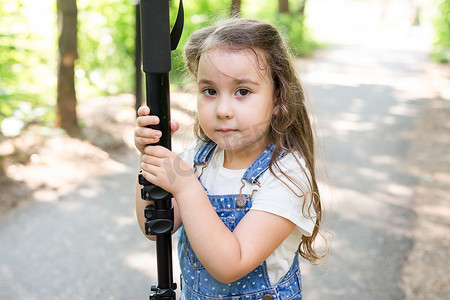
(189, 187)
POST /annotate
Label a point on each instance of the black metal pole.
(138, 59)
(158, 99)
(157, 43)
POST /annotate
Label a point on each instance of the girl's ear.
(276, 109)
(280, 115)
(276, 105)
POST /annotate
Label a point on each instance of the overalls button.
(267, 297)
(240, 201)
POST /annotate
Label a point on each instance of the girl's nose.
(224, 109)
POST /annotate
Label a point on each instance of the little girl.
(245, 194)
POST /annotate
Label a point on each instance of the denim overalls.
(198, 284)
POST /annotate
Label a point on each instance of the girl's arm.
(226, 255)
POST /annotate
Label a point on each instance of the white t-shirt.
(273, 197)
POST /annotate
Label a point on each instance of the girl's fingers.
(143, 111)
(144, 132)
(146, 141)
(145, 121)
(148, 160)
(174, 126)
(149, 176)
(152, 166)
(157, 151)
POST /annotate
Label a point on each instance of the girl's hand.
(165, 169)
(143, 135)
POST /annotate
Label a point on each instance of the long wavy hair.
(291, 129)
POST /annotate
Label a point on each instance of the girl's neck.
(242, 158)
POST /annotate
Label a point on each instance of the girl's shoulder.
(289, 172)
(291, 164)
(291, 160)
(284, 190)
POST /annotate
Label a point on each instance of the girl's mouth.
(226, 130)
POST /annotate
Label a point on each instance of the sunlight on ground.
(356, 22)
(375, 24)
(123, 221)
(144, 262)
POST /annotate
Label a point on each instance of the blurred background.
(376, 72)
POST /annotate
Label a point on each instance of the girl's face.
(235, 99)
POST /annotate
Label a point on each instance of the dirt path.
(427, 272)
(44, 164)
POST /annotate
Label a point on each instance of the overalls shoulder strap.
(261, 164)
(204, 153)
(256, 169)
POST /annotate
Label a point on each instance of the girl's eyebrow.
(204, 81)
(245, 80)
(235, 81)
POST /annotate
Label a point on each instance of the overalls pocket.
(228, 219)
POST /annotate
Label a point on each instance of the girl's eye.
(209, 92)
(242, 92)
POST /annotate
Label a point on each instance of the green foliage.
(25, 62)
(292, 26)
(105, 47)
(197, 14)
(263, 9)
(441, 47)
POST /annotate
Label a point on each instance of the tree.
(66, 103)
(283, 6)
(302, 8)
(292, 23)
(235, 8)
(441, 45)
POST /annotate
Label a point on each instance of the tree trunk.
(66, 116)
(235, 8)
(283, 6)
(302, 7)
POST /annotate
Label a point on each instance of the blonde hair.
(290, 129)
